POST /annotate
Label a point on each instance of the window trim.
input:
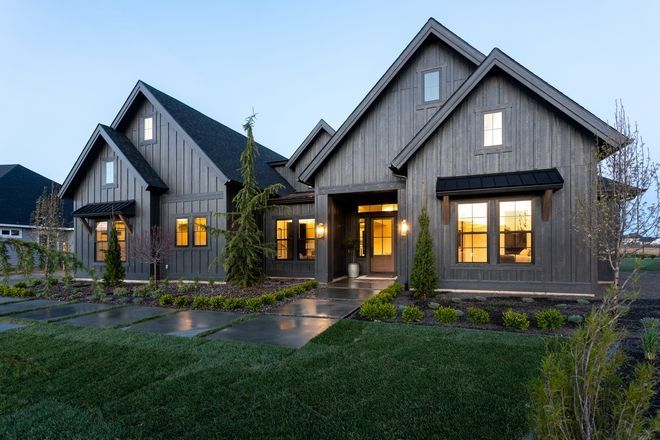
(206, 236)
(442, 69)
(532, 231)
(300, 240)
(141, 129)
(104, 172)
(10, 232)
(176, 232)
(507, 129)
(290, 251)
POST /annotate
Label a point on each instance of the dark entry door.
(382, 244)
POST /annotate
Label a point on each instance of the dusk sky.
(67, 66)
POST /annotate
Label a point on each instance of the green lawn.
(629, 264)
(358, 380)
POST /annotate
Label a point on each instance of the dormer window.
(493, 129)
(431, 82)
(148, 129)
(109, 172)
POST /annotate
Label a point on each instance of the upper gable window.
(431, 82)
(148, 129)
(109, 172)
(493, 129)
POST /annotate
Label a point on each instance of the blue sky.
(66, 66)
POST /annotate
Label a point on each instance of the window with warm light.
(387, 207)
(515, 231)
(200, 237)
(181, 232)
(492, 129)
(148, 129)
(306, 240)
(362, 231)
(381, 235)
(284, 238)
(431, 85)
(101, 239)
(473, 232)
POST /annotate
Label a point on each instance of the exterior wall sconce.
(404, 228)
(320, 230)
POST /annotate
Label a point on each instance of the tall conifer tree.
(424, 276)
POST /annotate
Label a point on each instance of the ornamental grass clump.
(517, 320)
(446, 315)
(201, 302)
(550, 319)
(412, 314)
(650, 335)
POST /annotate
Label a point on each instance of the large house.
(497, 156)
(20, 188)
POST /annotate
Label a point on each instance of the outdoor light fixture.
(320, 230)
(404, 228)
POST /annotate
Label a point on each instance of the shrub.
(6, 290)
(166, 300)
(217, 301)
(582, 301)
(527, 300)
(650, 337)
(269, 298)
(35, 283)
(22, 284)
(412, 314)
(120, 291)
(254, 304)
(424, 275)
(211, 283)
(67, 280)
(550, 319)
(433, 305)
(477, 316)
(575, 319)
(184, 288)
(446, 315)
(377, 311)
(456, 300)
(141, 290)
(201, 301)
(182, 301)
(515, 319)
(232, 303)
(480, 298)
(279, 295)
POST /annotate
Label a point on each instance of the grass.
(629, 264)
(357, 380)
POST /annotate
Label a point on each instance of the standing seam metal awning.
(107, 209)
(518, 181)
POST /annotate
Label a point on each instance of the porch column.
(322, 270)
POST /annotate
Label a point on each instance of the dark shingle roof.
(136, 159)
(19, 190)
(220, 143)
(105, 209)
(532, 180)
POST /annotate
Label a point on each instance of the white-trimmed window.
(10, 233)
(109, 172)
(148, 129)
(492, 129)
(432, 83)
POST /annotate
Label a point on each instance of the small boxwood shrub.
(182, 301)
(515, 319)
(378, 311)
(166, 300)
(412, 314)
(6, 290)
(201, 301)
(233, 303)
(477, 316)
(120, 291)
(549, 319)
(446, 315)
(254, 304)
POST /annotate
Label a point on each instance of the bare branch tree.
(152, 248)
(624, 199)
(48, 221)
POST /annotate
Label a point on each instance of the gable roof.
(320, 127)
(123, 147)
(222, 145)
(20, 188)
(431, 28)
(499, 60)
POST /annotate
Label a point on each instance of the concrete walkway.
(292, 324)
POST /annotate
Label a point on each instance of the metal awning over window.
(104, 210)
(519, 181)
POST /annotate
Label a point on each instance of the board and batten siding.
(535, 137)
(196, 188)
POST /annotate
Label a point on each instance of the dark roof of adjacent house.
(220, 143)
(19, 190)
(106, 209)
(532, 180)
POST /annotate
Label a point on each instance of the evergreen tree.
(245, 249)
(424, 277)
(113, 273)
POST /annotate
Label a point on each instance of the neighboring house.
(19, 190)
(497, 155)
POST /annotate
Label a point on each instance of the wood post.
(445, 209)
(547, 205)
(128, 225)
(86, 225)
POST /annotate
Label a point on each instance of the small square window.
(492, 129)
(148, 128)
(15, 233)
(109, 172)
(431, 86)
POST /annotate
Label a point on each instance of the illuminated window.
(492, 129)
(199, 231)
(148, 125)
(306, 242)
(473, 232)
(431, 86)
(284, 237)
(362, 230)
(381, 235)
(109, 172)
(388, 207)
(101, 243)
(182, 232)
(516, 231)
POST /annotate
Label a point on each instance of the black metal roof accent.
(518, 181)
(106, 209)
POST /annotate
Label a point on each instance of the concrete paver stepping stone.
(116, 317)
(10, 299)
(340, 293)
(323, 308)
(61, 311)
(289, 331)
(4, 326)
(187, 323)
(27, 305)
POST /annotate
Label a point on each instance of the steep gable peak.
(319, 128)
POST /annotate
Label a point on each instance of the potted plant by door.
(352, 245)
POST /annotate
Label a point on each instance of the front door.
(382, 244)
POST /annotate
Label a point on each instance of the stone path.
(292, 324)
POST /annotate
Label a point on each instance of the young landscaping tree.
(624, 197)
(5, 266)
(245, 249)
(424, 277)
(152, 248)
(48, 221)
(113, 273)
